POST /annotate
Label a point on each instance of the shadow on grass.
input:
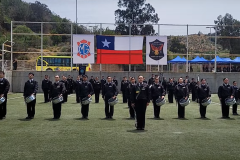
(107, 119)
(128, 118)
(203, 118)
(51, 119)
(43, 103)
(158, 119)
(81, 119)
(227, 118)
(136, 131)
(24, 119)
(181, 118)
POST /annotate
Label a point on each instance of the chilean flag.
(119, 50)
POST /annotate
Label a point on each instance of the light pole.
(76, 17)
(3, 54)
(215, 62)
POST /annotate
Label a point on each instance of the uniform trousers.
(140, 109)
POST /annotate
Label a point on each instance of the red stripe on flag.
(119, 57)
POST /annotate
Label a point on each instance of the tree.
(135, 12)
(176, 46)
(230, 28)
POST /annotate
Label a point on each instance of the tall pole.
(71, 46)
(158, 35)
(101, 57)
(3, 55)
(11, 46)
(187, 52)
(129, 66)
(41, 46)
(76, 17)
(215, 63)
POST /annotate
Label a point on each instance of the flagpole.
(159, 36)
(187, 51)
(129, 65)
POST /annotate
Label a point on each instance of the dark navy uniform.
(65, 95)
(170, 89)
(97, 89)
(115, 81)
(92, 81)
(225, 91)
(85, 88)
(76, 86)
(236, 95)
(181, 91)
(151, 81)
(157, 91)
(140, 96)
(192, 86)
(109, 90)
(57, 89)
(103, 81)
(4, 88)
(70, 85)
(46, 84)
(202, 92)
(129, 90)
(30, 87)
(124, 90)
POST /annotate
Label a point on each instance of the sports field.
(94, 139)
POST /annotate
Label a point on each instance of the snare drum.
(30, 99)
(57, 100)
(2, 100)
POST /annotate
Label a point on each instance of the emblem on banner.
(84, 49)
(156, 50)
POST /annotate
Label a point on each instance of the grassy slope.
(71, 138)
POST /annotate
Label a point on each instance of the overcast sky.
(200, 12)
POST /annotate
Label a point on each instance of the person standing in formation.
(124, 86)
(203, 92)
(170, 89)
(30, 88)
(115, 81)
(76, 86)
(129, 90)
(66, 84)
(181, 91)
(236, 95)
(151, 80)
(46, 84)
(97, 89)
(103, 81)
(109, 90)
(140, 99)
(157, 91)
(4, 88)
(193, 86)
(225, 91)
(92, 80)
(85, 90)
(70, 84)
(57, 89)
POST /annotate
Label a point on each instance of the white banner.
(83, 49)
(156, 50)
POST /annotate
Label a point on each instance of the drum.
(230, 101)
(112, 101)
(2, 100)
(30, 99)
(184, 102)
(86, 101)
(160, 101)
(205, 102)
(57, 100)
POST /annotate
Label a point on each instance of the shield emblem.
(156, 50)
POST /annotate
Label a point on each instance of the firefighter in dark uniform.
(193, 85)
(115, 81)
(70, 84)
(76, 86)
(225, 91)
(140, 99)
(164, 83)
(236, 95)
(30, 88)
(170, 89)
(109, 90)
(157, 91)
(124, 86)
(103, 81)
(97, 89)
(46, 84)
(129, 89)
(4, 88)
(85, 90)
(57, 89)
(144, 80)
(92, 80)
(151, 80)
(203, 92)
(65, 94)
(181, 91)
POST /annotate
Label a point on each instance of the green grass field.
(94, 139)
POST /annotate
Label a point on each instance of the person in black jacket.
(103, 81)
(109, 90)
(124, 86)
(140, 99)
(164, 83)
(57, 89)
(157, 91)
(129, 90)
(97, 89)
(203, 92)
(151, 80)
(181, 91)
(115, 81)
(236, 95)
(46, 84)
(65, 94)
(170, 89)
(225, 91)
(70, 84)
(30, 88)
(85, 90)
(192, 88)
(4, 88)
(76, 86)
(92, 80)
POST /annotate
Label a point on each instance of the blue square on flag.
(105, 42)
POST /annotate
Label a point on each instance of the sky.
(192, 12)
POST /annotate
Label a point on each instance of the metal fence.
(34, 39)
